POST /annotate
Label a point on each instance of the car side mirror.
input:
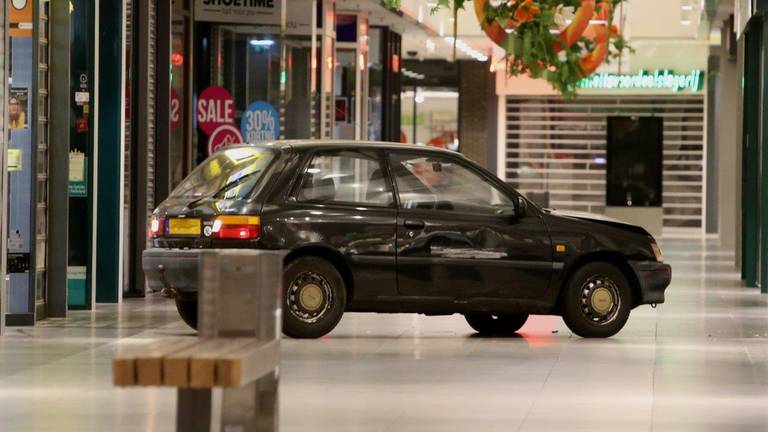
(508, 215)
(521, 207)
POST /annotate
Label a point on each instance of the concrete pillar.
(478, 117)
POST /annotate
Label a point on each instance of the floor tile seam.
(541, 388)
(653, 374)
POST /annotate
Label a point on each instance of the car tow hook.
(168, 292)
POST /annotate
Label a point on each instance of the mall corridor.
(697, 363)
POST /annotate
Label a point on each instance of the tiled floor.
(698, 363)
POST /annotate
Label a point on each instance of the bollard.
(238, 296)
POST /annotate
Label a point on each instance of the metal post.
(163, 163)
(3, 171)
(58, 155)
(239, 292)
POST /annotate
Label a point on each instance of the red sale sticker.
(215, 108)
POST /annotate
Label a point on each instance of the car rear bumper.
(173, 269)
(654, 278)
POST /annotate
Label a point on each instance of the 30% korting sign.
(260, 122)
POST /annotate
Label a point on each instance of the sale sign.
(260, 122)
(215, 108)
(175, 110)
(223, 136)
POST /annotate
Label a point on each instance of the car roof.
(322, 144)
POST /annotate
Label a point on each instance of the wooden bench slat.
(247, 364)
(149, 365)
(196, 363)
(124, 364)
(202, 364)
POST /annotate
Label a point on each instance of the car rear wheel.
(597, 301)
(490, 324)
(188, 311)
(315, 298)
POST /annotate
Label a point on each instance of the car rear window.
(228, 174)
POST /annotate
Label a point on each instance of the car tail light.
(237, 227)
(156, 227)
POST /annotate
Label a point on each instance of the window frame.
(493, 181)
(310, 156)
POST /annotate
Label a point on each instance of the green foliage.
(529, 47)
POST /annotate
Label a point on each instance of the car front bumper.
(173, 269)
(654, 278)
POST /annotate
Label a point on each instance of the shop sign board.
(260, 122)
(215, 108)
(660, 79)
(265, 12)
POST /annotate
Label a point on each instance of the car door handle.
(413, 224)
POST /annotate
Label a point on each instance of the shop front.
(632, 145)
(750, 27)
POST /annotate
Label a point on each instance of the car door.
(342, 202)
(462, 235)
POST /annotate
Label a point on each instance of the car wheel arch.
(614, 258)
(332, 256)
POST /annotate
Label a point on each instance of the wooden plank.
(123, 371)
(202, 365)
(176, 371)
(247, 364)
(149, 362)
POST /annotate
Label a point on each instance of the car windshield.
(229, 174)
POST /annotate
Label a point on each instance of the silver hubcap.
(309, 297)
(600, 301)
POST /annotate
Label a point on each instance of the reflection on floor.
(699, 363)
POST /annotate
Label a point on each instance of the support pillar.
(110, 154)
(58, 156)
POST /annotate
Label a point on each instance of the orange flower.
(614, 31)
(526, 11)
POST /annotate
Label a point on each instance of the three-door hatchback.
(378, 227)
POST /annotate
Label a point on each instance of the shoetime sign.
(239, 11)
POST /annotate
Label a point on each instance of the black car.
(377, 227)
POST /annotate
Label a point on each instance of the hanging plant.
(561, 41)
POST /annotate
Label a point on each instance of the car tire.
(314, 298)
(188, 311)
(490, 324)
(597, 301)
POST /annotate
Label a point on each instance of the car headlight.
(657, 252)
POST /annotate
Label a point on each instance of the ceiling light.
(262, 42)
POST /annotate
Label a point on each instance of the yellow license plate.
(187, 227)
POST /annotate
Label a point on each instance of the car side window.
(443, 183)
(345, 177)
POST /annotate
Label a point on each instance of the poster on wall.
(223, 136)
(20, 18)
(260, 122)
(266, 12)
(17, 108)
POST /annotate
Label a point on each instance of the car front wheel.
(314, 300)
(490, 324)
(188, 311)
(597, 301)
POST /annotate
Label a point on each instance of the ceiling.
(645, 22)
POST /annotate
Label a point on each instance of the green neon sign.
(660, 79)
